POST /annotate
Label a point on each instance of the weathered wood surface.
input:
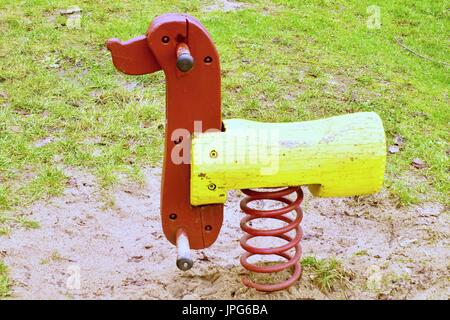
(336, 157)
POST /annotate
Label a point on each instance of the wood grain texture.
(336, 157)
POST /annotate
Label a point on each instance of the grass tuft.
(327, 274)
(4, 281)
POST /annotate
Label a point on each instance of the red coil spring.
(279, 214)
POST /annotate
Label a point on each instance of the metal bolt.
(212, 186)
(165, 39)
(213, 154)
(185, 62)
(208, 228)
(172, 216)
(207, 59)
(184, 259)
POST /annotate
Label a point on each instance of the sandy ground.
(94, 247)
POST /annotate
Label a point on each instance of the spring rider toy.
(205, 157)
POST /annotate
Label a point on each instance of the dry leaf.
(399, 140)
(145, 124)
(418, 163)
(393, 149)
(203, 257)
(135, 259)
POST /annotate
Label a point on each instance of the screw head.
(213, 154)
(212, 186)
(172, 216)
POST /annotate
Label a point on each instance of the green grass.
(327, 274)
(361, 253)
(62, 103)
(8, 221)
(4, 282)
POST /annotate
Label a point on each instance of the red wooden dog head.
(179, 45)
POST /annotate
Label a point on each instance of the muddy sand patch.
(91, 247)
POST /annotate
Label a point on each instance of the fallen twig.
(400, 43)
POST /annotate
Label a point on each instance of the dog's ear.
(133, 56)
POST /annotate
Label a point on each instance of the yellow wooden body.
(336, 157)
